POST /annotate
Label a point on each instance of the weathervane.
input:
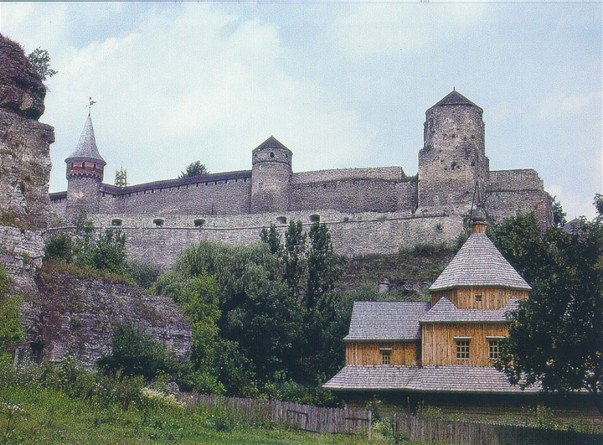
(91, 102)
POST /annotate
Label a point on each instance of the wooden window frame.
(386, 356)
(463, 348)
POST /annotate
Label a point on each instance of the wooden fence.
(303, 417)
(348, 421)
(475, 433)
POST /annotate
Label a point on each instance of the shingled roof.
(465, 379)
(381, 320)
(270, 143)
(444, 311)
(454, 98)
(86, 148)
(479, 263)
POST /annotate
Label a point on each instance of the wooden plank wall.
(403, 353)
(492, 297)
(439, 346)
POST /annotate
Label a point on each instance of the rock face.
(24, 142)
(77, 316)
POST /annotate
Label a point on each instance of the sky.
(342, 84)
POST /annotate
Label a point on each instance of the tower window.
(271, 154)
(462, 348)
(83, 164)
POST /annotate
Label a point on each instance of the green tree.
(194, 169)
(273, 239)
(555, 336)
(558, 213)
(40, 61)
(294, 254)
(322, 264)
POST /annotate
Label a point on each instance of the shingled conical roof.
(454, 98)
(86, 148)
(479, 263)
(271, 143)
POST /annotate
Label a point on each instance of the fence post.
(395, 428)
(370, 425)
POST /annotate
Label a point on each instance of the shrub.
(134, 354)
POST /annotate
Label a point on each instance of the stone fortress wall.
(368, 210)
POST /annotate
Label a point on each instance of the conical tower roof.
(86, 148)
(479, 263)
(271, 143)
(454, 98)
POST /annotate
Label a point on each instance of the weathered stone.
(21, 89)
(77, 316)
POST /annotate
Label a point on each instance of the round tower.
(453, 158)
(270, 175)
(85, 168)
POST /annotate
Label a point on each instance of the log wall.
(439, 344)
(491, 297)
(402, 353)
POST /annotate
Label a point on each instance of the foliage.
(555, 336)
(194, 169)
(40, 61)
(293, 255)
(144, 273)
(598, 202)
(558, 213)
(11, 331)
(106, 253)
(134, 354)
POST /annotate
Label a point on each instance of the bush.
(145, 274)
(134, 354)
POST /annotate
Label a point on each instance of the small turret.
(271, 173)
(85, 170)
(453, 156)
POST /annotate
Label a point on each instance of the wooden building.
(443, 351)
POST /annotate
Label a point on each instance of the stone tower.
(85, 168)
(270, 176)
(452, 160)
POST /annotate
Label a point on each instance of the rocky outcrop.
(24, 142)
(77, 316)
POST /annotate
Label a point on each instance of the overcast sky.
(340, 84)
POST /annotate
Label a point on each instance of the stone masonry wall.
(384, 173)
(221, 198)
(352, 234)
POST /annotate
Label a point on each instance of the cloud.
(379, 29)
(566, 105)
(193, 82)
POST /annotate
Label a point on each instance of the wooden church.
(442, 352)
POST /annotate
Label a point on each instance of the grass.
(60, 405)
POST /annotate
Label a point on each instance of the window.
(158, 222)
(314, 218)
(462, 349)
(386, 356)
(478, 298)
(493, 349)
(199, 222)
(116, 222)
(281, 220)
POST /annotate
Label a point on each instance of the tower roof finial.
(90, 103)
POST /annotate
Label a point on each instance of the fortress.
(368, 210)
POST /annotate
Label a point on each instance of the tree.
(40, 61)
(555, 337)
(11, 331)
(194, 169)
(558, 213)
(293, 255)
(322, 264)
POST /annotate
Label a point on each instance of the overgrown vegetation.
(65, 404)
(11, 331)
(556, 335)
